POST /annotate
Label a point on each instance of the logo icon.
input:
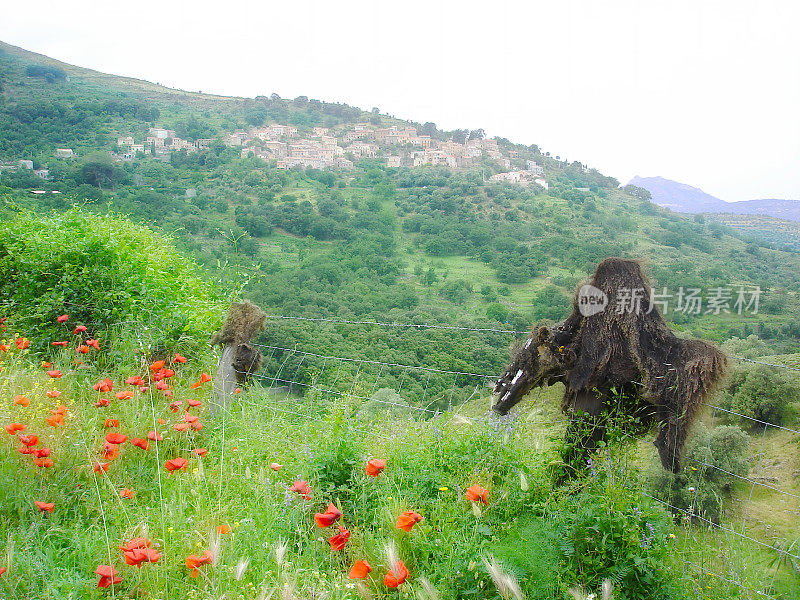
(591, 300)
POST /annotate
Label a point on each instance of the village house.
(125, 141)
(394, 161)
(320, 131)
(42, 174)
(362, 149)
(137, 148)
(64, 153)
(25, 164)
(162, 134)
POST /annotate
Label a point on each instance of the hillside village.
(341, 147)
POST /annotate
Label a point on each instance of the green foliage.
(760, 392)
(102, 271)
(551, 304)
(712, 463)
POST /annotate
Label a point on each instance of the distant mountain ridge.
(680, 197)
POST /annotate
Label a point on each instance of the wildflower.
(55, 420)
(181, 426)
(108, 576)
(204, 378)
(4, 347)
(82, 349)
(360, 570)
(397, 575)
(162, 385)
(200, 452)
(176, 464)
(375, 466)
(193, 403)
(407, 520)
(55, 374)
(44, 506)
(111, 423)
(141, 443)
(505, 583)
(43, 462)
(101, 467)
(156, 365)
(154, 436)
(138, 550)
(224, 529)
(193, 562)
(79, 329)
(478, 494)
(329, 517)
(104, 385)
(238, 390)
(443, 488)
(21, 401)
(62, 344)
(2, 570)
(53, 394)
(62, 318)
(41, 452)
(110, 451)
(338, 541)
(136, 380)
(29, 440)
(301, 487)
(116, 438)
(124, 395)
(46, 365)
(275, 466)
(179, 359)
(13, 428)
(126, 493)
(22, 343)
(102, 402)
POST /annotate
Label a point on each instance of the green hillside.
(426, 244)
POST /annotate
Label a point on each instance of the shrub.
(760, 392)
(101, 270)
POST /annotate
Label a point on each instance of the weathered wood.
(225, 380)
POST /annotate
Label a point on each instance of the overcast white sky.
(705, 92)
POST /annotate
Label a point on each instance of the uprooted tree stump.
(239, 359)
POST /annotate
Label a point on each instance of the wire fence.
(426, 392)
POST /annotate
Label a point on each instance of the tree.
(459, 136)
(477, 134)
(429, 129)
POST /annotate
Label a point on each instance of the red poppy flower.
(55, 420)
(2, 570)
(44, 506)
(126, 493)
(193, 562)
(477, 494)
(276, 467)
(124, 395)
(110, 451)
(47, 365)
(101, 467)
(108, 576)
(62, 318)
(175, 464)
(111, 423)
(224, 529)
(200, 451)
(82, 349)
(338, 541)
(53, 394)
(43, 462)
(162, 385)
(156, 365)
(360, 570)
(25, 451)
(329, 517)
(62, 344)
(408, 519)
(175, 405)
(138, 550)
(179, 359)
(22, 343)
(41, 452)
(61, 410)
(141, 443)
(136, 380)
(187, 418)
(29, 440)
(167, 373)
(154, 436)
(79, 329)
(116, 438)
(4, 347)
(193, 403)
(102, 402)
(302, 488)
(94, 344)
(56, 374)
(375, 466)
(13, 428)
(396, 576)
(204, 378)
(181, 426)
(104, 385)
(21, 401)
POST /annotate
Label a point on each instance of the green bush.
(102, 271)
(760, 392)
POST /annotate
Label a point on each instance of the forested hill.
(425, 244)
